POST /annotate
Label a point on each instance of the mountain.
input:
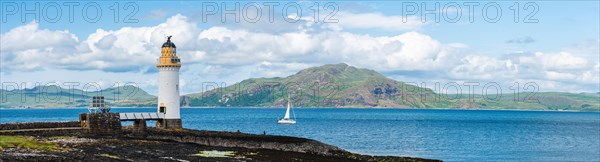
(56, 96)
(335, 85)
(340, 85)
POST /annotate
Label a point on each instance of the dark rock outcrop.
(180, 144)
(231, 139)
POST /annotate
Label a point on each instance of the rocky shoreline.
(75, 144)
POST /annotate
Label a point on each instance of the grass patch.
(215, 153)
(26, 142)
(110, 156)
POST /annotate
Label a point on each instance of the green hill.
(336, 85)
(55, 96)
(341, 85)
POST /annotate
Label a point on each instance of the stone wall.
(105, 123)
(139, 126)
(37, 125)
(169, 123)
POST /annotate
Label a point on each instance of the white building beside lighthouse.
(168, 86)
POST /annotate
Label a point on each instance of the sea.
(449, 135)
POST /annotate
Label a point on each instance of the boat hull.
(284, 121)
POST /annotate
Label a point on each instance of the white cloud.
(156, 14)
(562, 60)
(408, 51)
(378, 21)
(589, 77)
(484, 68)
(27, 47)
(521, 40)
(29, 36)
(124, 50)
(135, 48)
(563, 66)
(225, 54)
(553, 75)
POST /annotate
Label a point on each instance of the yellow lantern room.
(169, 55)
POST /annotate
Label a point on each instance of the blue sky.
(559, 51)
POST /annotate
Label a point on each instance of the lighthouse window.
(162, 109)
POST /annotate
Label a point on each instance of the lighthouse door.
(161, 109)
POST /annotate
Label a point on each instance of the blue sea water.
(450, 135)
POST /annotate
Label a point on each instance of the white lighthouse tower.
(168, 86)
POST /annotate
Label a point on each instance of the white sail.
(286, 119)
(287, 112)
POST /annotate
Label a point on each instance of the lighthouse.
(168, 65)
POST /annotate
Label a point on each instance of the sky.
(553, 45)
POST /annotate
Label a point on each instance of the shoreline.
(71, 143)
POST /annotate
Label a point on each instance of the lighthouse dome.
(169, 43)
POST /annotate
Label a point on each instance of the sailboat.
(286, 119)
